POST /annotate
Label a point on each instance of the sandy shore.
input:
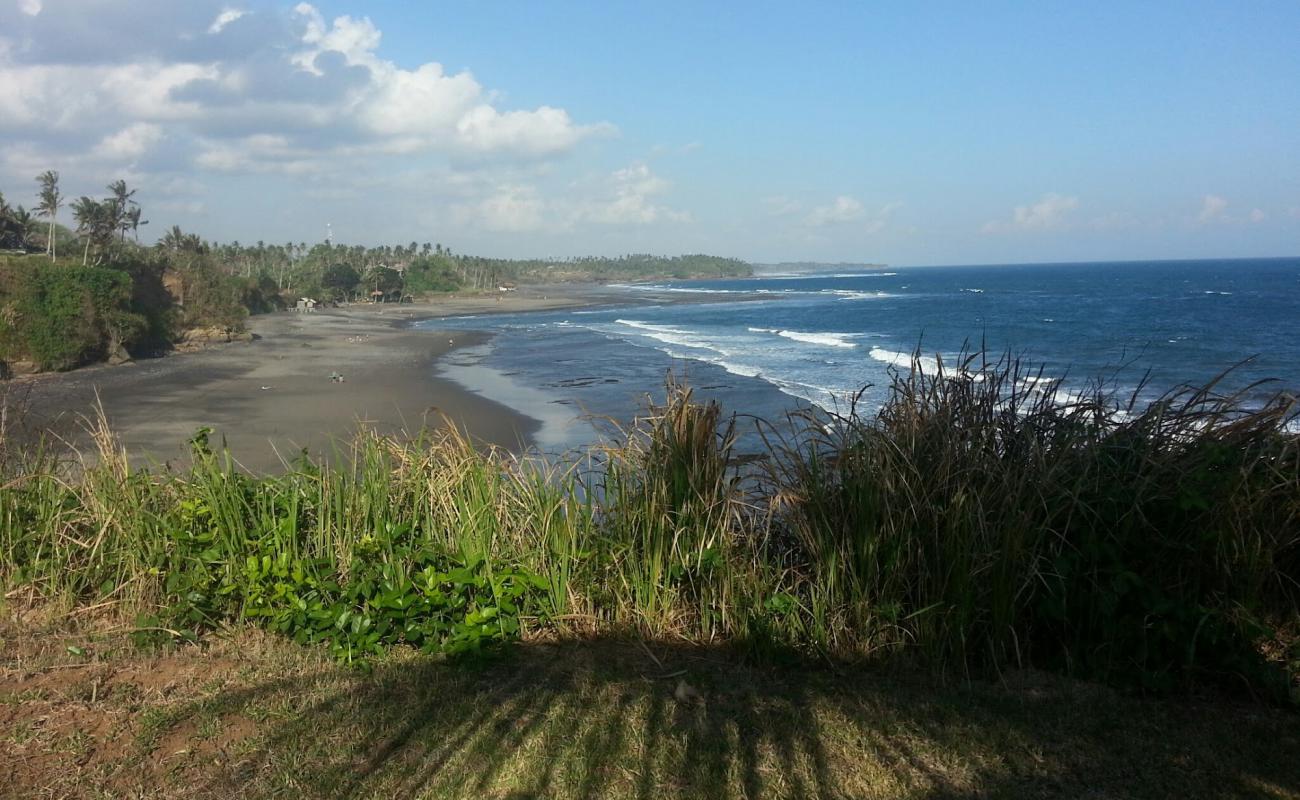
(273, 397)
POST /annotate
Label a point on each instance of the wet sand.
(273, 397)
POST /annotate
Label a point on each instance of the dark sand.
(273, 397)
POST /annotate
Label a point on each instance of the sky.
(902, 133)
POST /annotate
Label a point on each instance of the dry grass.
(85, 714)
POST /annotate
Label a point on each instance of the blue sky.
(906, 133)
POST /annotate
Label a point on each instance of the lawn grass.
(84, 713)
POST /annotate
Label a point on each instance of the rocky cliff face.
(202, 338)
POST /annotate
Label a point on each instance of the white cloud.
(128, 144)
(1049, 212)
(843, 209)
(321, 85)
(627, 197)
(511, 208)
(227, 16)
(356, 39)
(628, 200)
(1213, 209)
(543, 131)
(30, 7)
(1257, 215)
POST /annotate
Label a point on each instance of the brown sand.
(273, 397)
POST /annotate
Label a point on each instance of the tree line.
(77, 285)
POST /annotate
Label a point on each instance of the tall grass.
(978, 520)
(987, 521)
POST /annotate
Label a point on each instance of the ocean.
(769, 344)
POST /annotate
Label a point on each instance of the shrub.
(971, 523)
(65, 316)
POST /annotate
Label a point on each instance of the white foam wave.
(848, 294)
(673, 336)
(1039, 382)
(824, 396)
(972, 291)
(825, 339)
(649, 326)
(654, 287)
(927, 364)
(739, 369)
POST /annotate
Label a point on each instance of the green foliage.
(15, 226)
(396, 590)
(432, 274)
(968, 523)
(64, 316)
(212, 298)
(987, 525)
(340, 281)
(383, 279)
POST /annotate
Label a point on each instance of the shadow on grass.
(601, 719)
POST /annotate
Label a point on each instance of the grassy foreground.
(934, 579)
(87, 714)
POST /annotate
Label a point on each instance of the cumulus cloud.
(1049, 212)
(626, 197)
(629, 200)
(1213, 209)
(227, 16)
(30, 7)
(128, 144)
(320, 86)
(510, 208)
(843, 209)
(1257, 215)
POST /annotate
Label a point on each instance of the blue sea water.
(767, 344)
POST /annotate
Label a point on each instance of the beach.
(273, 397)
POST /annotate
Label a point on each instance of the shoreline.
(273, 397)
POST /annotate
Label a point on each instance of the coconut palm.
(177, 240)
(134, 222)
(96, 223)
(10, 231)
(121, 204)
(24, 226)
(51, 199)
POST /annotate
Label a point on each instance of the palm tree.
(96, 222)
(11, 235)
(177, 240)
(25, 225)
(121, 204)
(51, 200)
(134, 221)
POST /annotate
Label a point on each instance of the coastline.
(271, 398)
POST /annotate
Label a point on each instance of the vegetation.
(183, 282)
(969, 526)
